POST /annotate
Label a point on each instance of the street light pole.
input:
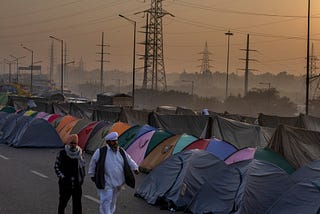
(308, 59)
(9, 64)
(31, 69)
(17, 60)
(134, 56)
(61, 74)
(227, 80)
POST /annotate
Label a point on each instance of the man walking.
(70, 169)
(110, 167)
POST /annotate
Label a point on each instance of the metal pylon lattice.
(205, 65)
(154, 68)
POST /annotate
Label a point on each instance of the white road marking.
(92, 198)
(4, 157)
(39, 174)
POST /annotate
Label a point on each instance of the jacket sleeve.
(93, 162)
(57, 166)
(133, 165)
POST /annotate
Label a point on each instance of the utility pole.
(247, 59)
(61, 74)
(102, 61)
(134, 56)
(308, 53)
(9, 64)
(51, 63)
(17, 65)
(228, 34)
(31, 73)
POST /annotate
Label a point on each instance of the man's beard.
(114, 148)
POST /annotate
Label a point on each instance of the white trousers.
(108, 200)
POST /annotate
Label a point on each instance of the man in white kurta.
(113, 173)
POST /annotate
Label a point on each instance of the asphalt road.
(28, 184)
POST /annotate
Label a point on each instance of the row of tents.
(239, 168)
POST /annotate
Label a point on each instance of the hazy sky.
(277, 28)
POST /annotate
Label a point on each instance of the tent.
(65, 131)
(176, 182)
(271, 181)
(22, 122)
(38, 133)
(143, 129)
(8, 126)
(240, 155)
(159, 136)
(84, 133)
(119, 127)
(128, 135)
(219, 148)
(52, 117)
(218, 195)
(165, 149)
(80, 125)
(96, 138)
(138, 148)
(64, 121)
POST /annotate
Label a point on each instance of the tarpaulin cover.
(298, 146)
(239, 134)
(179, 124)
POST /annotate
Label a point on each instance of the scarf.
(73, 153)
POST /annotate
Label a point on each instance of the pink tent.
(139, 147)
(240, 155)
(41, 114)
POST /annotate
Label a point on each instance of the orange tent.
(65, 131)
(64, 121)
(119, 127)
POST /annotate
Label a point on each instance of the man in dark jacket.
(69, 167)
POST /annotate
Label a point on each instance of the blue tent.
(21, 123)
(38, 133)
(8, 126)
(177, 182)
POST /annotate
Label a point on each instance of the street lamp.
(17, 60)
(228, 34)
(61, 74)
(134, 55)
(192, 83)
(308, 59)
(31, 69)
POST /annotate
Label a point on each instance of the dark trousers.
(65, 192)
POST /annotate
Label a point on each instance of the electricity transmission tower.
(154, 69)
(205, 65)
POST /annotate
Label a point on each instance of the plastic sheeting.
(298, 146)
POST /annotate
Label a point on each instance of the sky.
(277, 29)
